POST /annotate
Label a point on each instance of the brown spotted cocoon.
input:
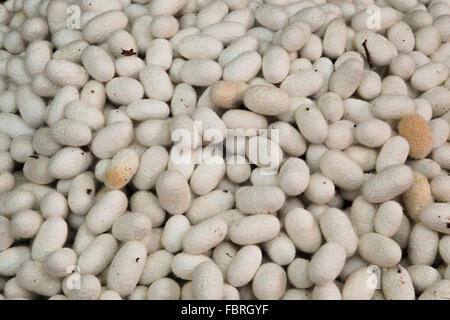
(417, 197)
(227, 94)
(416, 130)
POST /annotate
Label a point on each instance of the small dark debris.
(137, 259)
(89, 191)
(369, 60)
(85, 148)
(128, 52)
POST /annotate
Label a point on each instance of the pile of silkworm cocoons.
(224, 149)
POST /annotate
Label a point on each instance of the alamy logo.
(73, 281)
(374, 279)
(373, 21)
(73, 22)
(206, 145)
